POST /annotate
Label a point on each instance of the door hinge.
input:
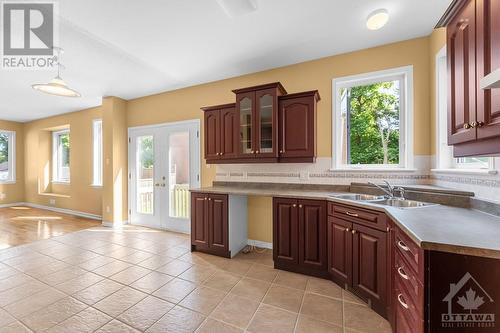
(198, 177)
(129, 140)
(197, 134)
(129, 211)
(129, 175)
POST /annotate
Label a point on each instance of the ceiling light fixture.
(377, 19)
(57, 86)
(237, 7)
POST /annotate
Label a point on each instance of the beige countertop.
(438, 228)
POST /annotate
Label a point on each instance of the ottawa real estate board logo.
(29, 34)
(467, 301)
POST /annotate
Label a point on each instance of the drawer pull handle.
(351, 214)
(402, 273)
(400, 300)
(403, 246)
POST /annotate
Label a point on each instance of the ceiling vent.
(238, 7)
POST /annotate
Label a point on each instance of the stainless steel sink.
(359, 197)
(403, 203)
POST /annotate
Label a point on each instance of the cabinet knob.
(209, 199)
(347, 229)
(480, 124)
(205, 198)
(300, 206)
(353, 231)
(253, 152)
(474, 124)
(467, 126)
(281, 151)
(294, 205)
(257, 152)
(221, 154)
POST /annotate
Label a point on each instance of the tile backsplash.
(484, 186)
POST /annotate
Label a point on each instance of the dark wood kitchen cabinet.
(209, 223)
(257, 109)
(220, 132)
(265, 125)
(358, 253)
(297, 127)
(299, 236)
(340, 251)
(473, 52)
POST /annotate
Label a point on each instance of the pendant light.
(57, 86)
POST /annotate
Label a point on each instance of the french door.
(164, 162)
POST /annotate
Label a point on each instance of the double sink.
(383, 200)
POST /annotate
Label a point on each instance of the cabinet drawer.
(406, 309)
(405, 275)
(410, 251)
(369, 218)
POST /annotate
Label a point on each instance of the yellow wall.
(436, 42)
(115, 168)
(79, 195)
(15, 192)
(260, 217)
(185, 103)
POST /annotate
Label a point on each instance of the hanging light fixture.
(57, 86)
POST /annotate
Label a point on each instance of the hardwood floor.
(21, 225)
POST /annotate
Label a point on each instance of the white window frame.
(97, 152)
(405, 75)
(444, 153)
(11, 179)
(56, 157)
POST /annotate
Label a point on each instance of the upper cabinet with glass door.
(257, 108)
(265, 125)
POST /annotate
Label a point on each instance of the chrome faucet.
(390, 190)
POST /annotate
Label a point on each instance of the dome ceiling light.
(377, 19)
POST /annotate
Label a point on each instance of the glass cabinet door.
(246, 125)
(266, 123)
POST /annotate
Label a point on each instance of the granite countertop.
(439, 228)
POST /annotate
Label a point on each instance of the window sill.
(362, 169)
(50, 194)
(7, 182)
(466, 171)
(60, 182)
(96, 185)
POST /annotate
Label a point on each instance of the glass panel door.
(144, 163)
(246, 125)
(266, 123)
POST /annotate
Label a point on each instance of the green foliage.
(147, 152)
(65, 142)
(4, 148)
(374, 123)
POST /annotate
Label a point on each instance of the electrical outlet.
(52, 201)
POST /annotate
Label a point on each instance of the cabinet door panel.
(199, 220)
(285, 230)
(266, 134)
(228, 134)
(245, 106)
(340, 250)
(297, 126)
(488, 59)
(218, 222)
(312, 234)
(461, 75)
(369, 264)
(212, 134)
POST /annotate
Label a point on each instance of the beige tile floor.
(142, 280)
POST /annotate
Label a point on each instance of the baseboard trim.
(260, 244)
(113, 224)
(13, 204)
(64, 211)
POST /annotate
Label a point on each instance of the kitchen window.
(7, 156)
(97, 152)
(445, 160)
(372, 120)
(61, 156)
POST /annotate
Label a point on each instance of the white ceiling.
(131, 48)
